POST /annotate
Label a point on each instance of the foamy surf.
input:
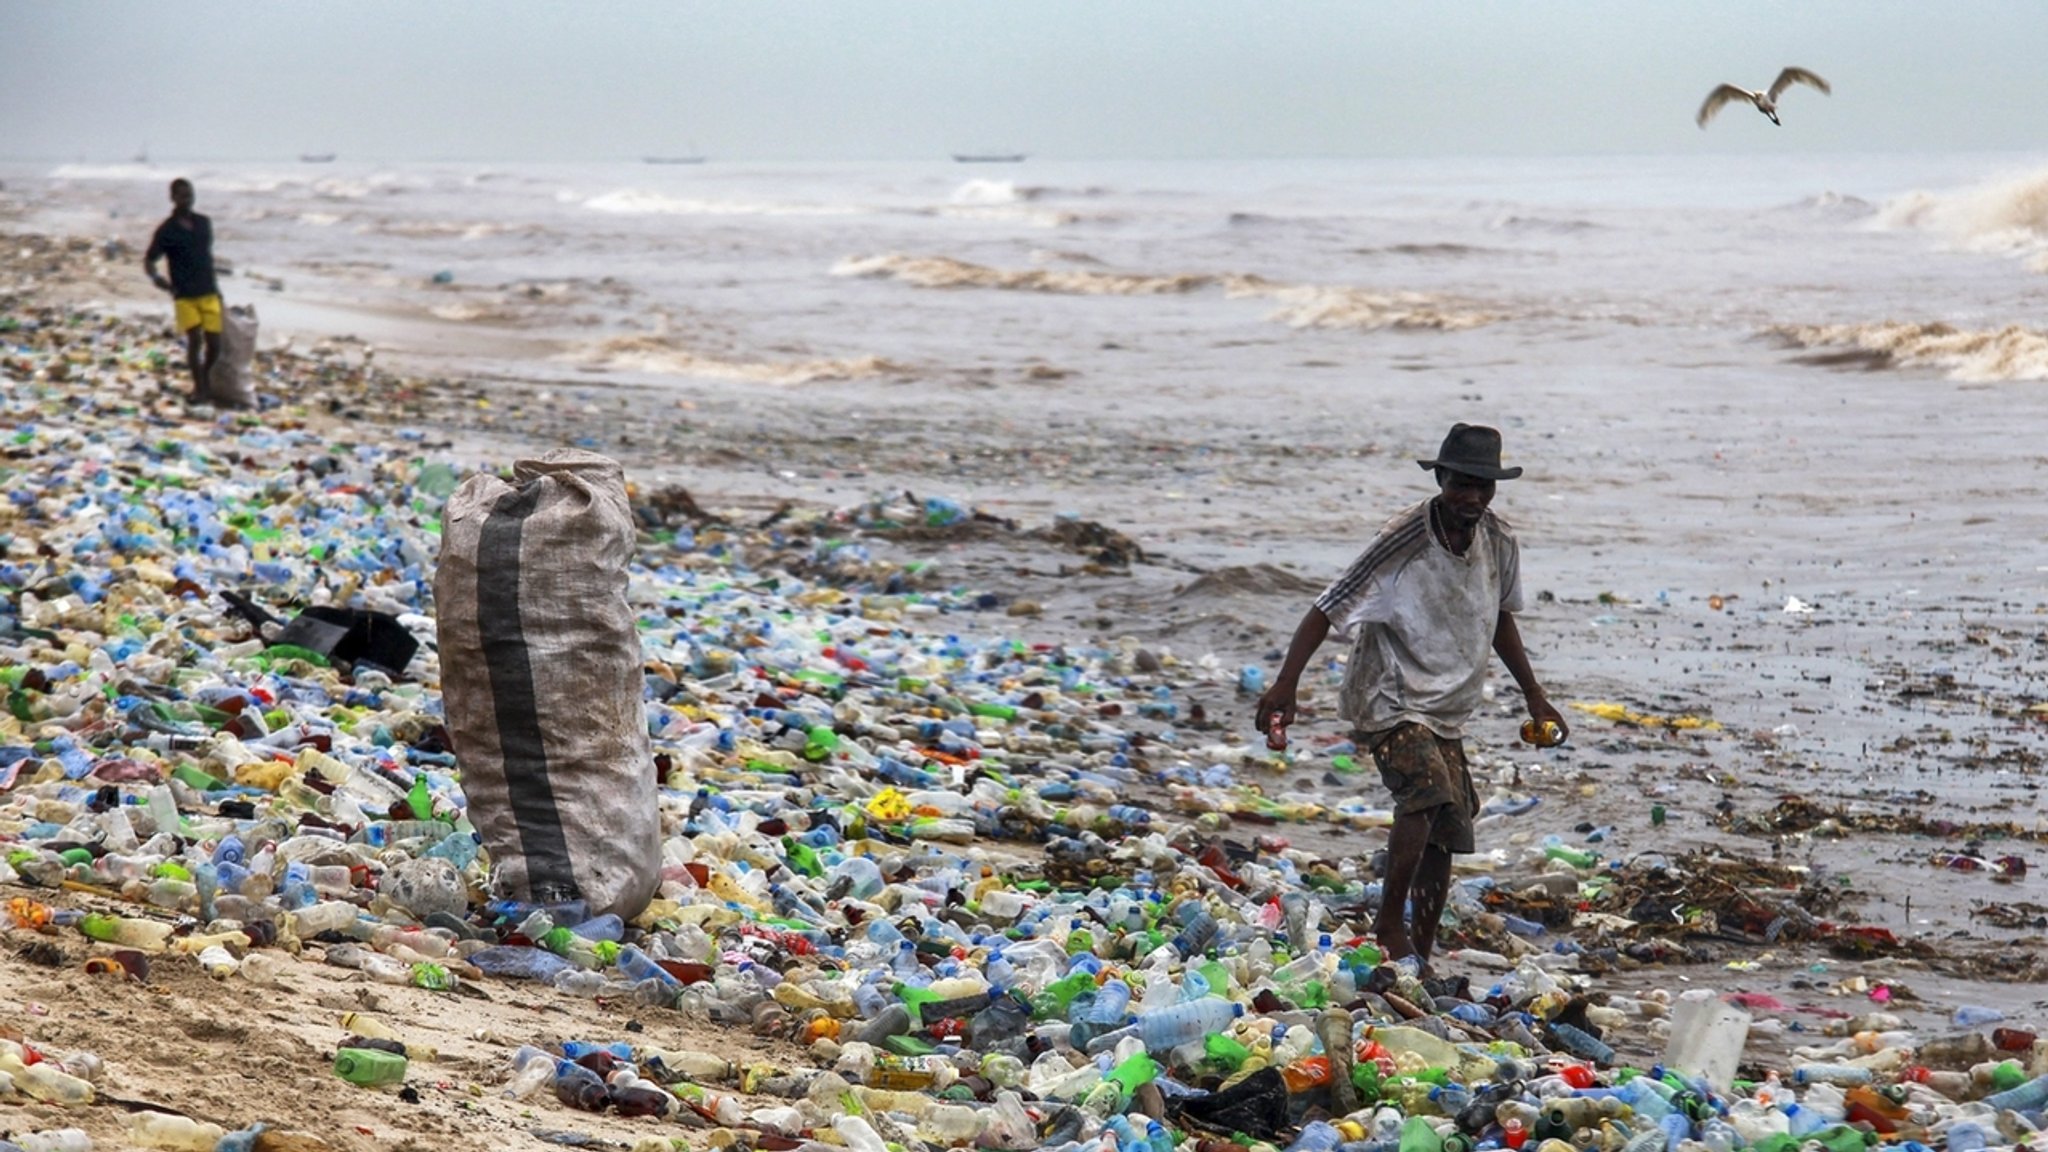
(662, 355)
(1978, 356)
(1336, 306)
(640, 202)
(1303, 305)
(2009, 217)
(946, 272)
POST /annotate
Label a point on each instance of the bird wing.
(1791, 76)
(1720, 96)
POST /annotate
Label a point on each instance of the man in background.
(184, 242)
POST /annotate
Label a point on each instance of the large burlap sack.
(230, 384)
(541, 682)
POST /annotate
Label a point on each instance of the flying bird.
(1767, 101)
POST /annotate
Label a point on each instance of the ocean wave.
(1337, 306)
(1013, 213)
(994, 192)
(946, 272)
(1542, 224)
(1303, 305)
(1438, 251)
(640, 202)
(663, 355)
(1834, 205)
(108, 172)
(2011, 353)
(2009, 217)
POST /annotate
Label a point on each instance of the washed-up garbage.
(981, 880)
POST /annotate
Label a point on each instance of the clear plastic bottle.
(532, 1070)
(179, 1133)
(55, 1140)
(51, 1085)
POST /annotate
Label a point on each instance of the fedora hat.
(1474, 450)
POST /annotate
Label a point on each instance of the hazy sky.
(748, 79)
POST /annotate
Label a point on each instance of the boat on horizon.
(988, 157)
(672, 159)
(316, 157)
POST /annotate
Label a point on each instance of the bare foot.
(1394, 943)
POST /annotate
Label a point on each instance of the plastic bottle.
(532, 1070)
(1840, 1074)
(950, 1125)
(2028, 1097)
(55, 1140)
(166, 1130)
(1169, 1028)
(1973, 1016)
(1581, 1043)
(369, 1067)
(1966, 1136)
(1419, 1135)
(580, 1088)
(859, 1135)
(52, 1085)
(126, 931)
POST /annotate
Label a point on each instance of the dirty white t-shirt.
(1421, 622)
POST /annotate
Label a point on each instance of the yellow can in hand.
(1542, 733)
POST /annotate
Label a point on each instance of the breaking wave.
(1438, 251)
(1542, 225)
(107, 172)
(1337, 306)
(994, 192)
(2009, 217)
(1833, 205)
(946, 272)
(640, 202)
(664, 356)
(2012, 353)
(1302, 305)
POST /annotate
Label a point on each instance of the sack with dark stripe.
(541, 681)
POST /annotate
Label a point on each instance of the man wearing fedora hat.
(1421, 606)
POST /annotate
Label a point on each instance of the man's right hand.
(160, 282)
(1278, 701)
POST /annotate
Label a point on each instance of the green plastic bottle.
(1842, 1138)
(1226, 1053)
(369, 1067)
(99, 926)
(992, 710)
(802, 857)
(1419, 1135)
(1577, 858)
(820, 743)
(1054, 998)
(1133, 1074)
(420, 799)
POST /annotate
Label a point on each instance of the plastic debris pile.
(985, 884)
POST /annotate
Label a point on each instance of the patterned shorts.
(1427, 773)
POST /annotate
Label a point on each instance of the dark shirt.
(189, 252)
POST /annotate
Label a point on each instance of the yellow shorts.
(198, 312)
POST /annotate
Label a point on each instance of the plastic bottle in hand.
(1276, 732)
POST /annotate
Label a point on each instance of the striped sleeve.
(1348, 601)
